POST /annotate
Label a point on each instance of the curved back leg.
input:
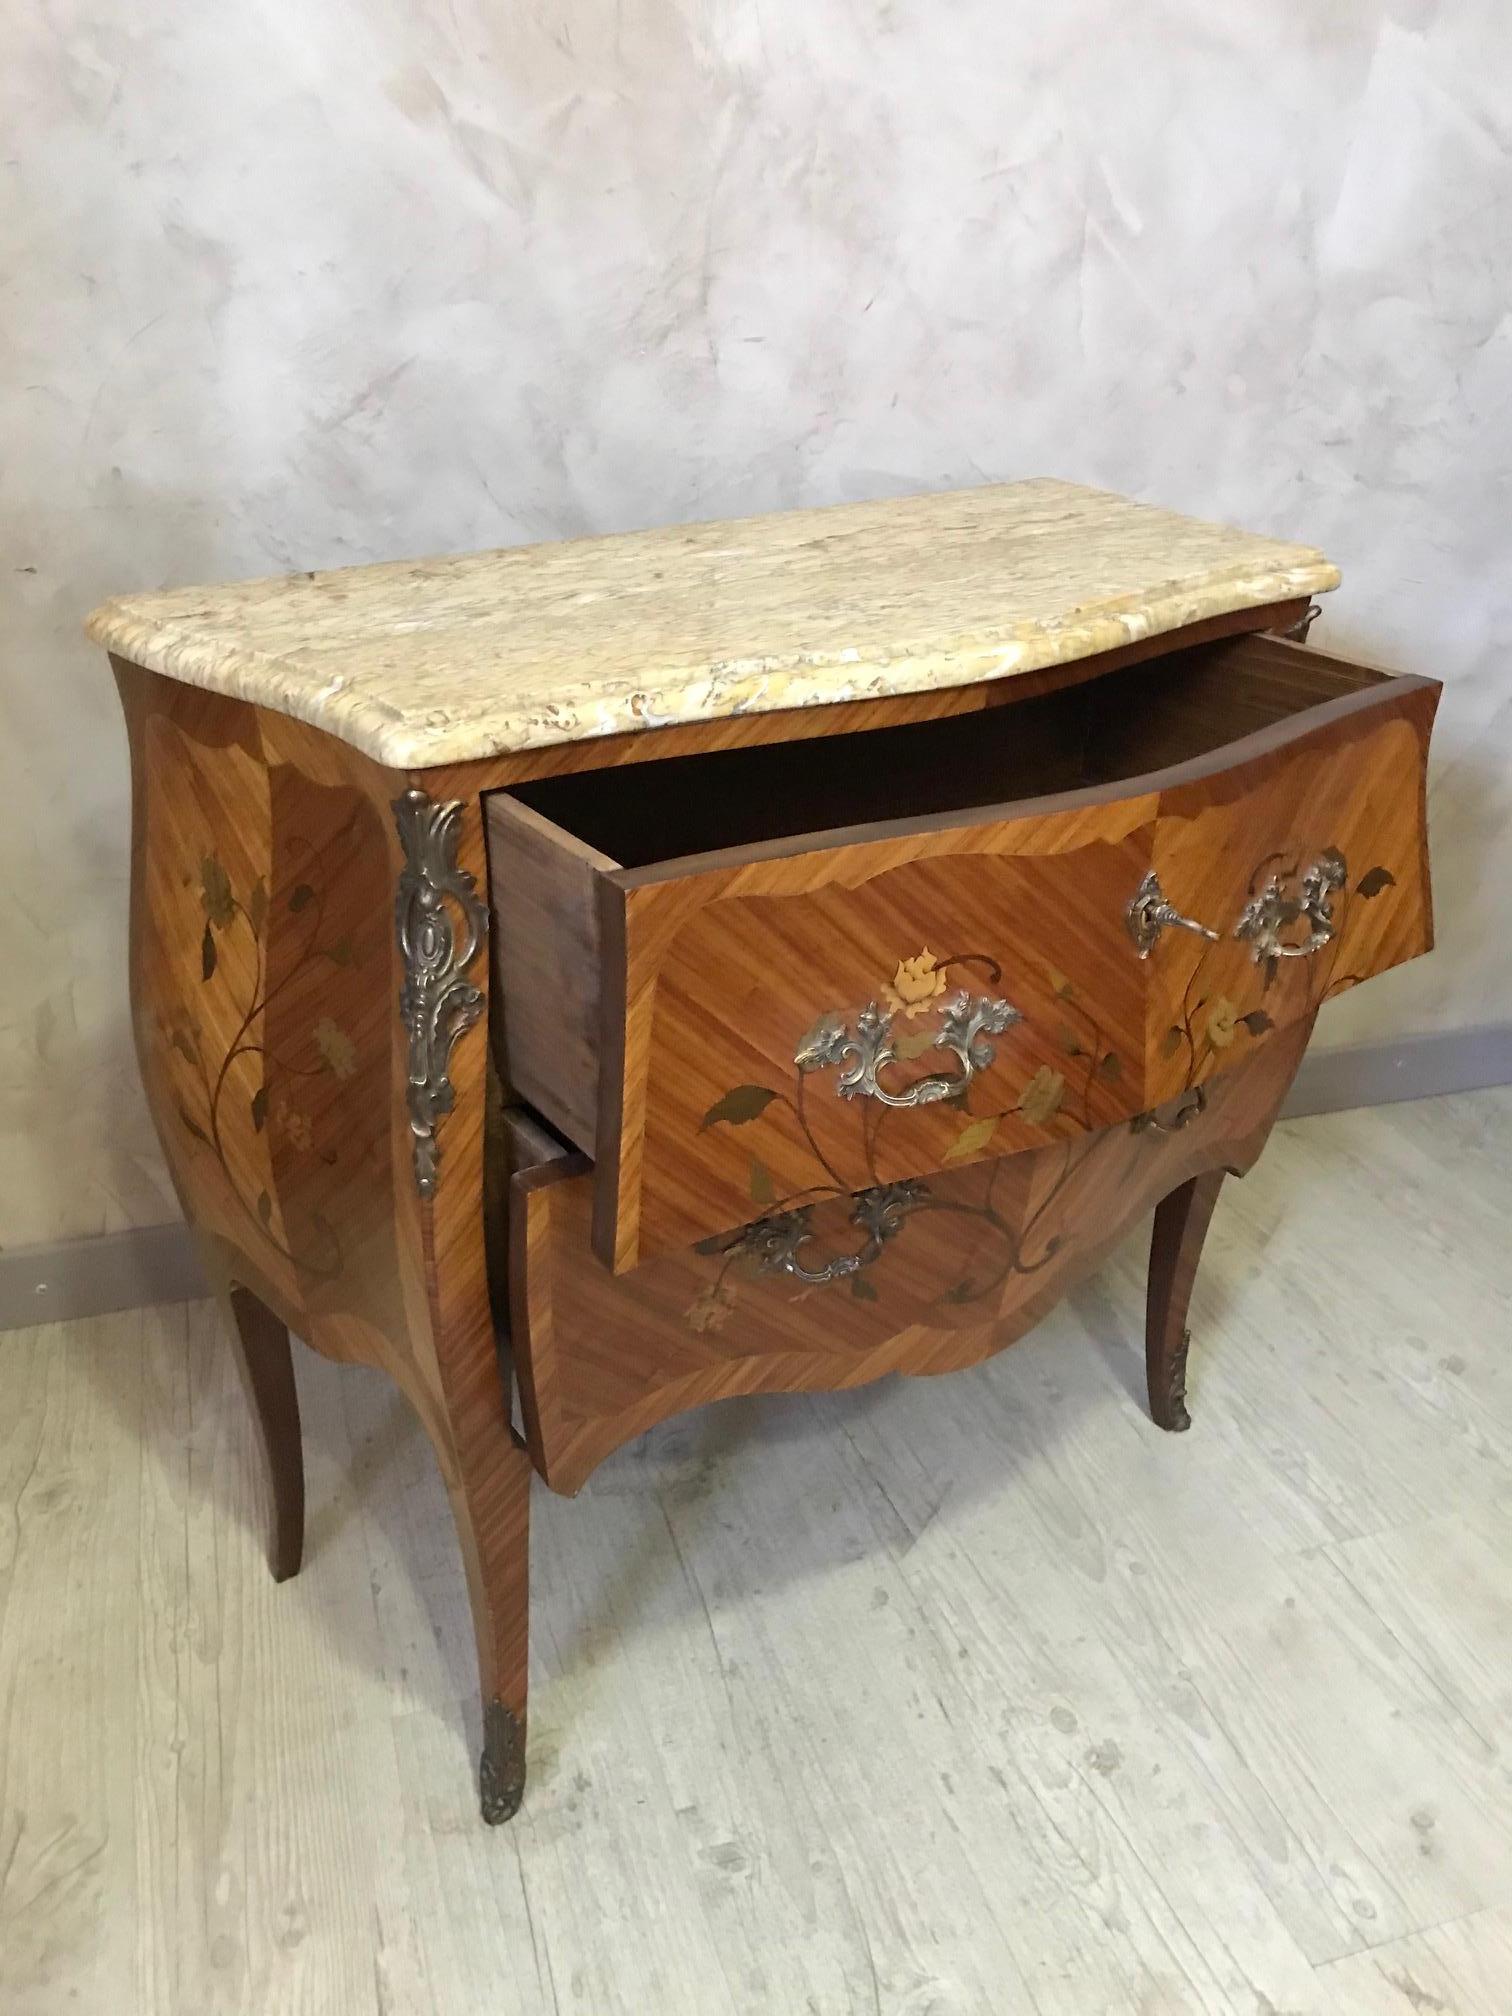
(261, 1344)
(1181, 1223)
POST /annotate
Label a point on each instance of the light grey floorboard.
(968, 1697)
(1460, 1969)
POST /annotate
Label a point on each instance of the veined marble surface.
(437, 661)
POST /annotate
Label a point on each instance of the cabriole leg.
(1181, 1223)
(491, 1506)
(266, 1364)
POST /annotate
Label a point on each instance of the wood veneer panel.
(602, 1358)
(725, 971)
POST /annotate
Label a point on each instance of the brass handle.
(1187, 1107)
(1273, 911)
(967, 1023)
(1148, 914)
(776, 1242)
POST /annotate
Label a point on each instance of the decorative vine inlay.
(276, 1104)
(1281, 896)
(959, 1021)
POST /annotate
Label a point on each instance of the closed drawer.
(1035, 921)
(971, 1258)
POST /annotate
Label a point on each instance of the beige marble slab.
(438, 661)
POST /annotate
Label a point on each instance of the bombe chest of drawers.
(593, 980)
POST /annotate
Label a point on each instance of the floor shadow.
(667, 1491)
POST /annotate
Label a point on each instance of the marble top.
(441, 661)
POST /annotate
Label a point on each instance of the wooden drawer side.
(546, 954)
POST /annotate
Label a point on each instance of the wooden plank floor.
(968, 1697)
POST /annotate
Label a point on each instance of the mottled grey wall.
(296, 282)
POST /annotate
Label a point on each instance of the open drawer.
(747, 978)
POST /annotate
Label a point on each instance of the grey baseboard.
(75, 1278)
(1412, 1067)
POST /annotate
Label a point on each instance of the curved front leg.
(491, 1505)
(310, 979)
(444, 972)
(1181, 1223)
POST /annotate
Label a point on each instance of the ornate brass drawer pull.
(967, 1023)
(1273, 911)
(776, 1242)
(1180, 1112)
(1149, 913)
(1266, 915)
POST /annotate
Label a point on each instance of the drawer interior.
(1123, 724)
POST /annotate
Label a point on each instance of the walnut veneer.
(781, 1050)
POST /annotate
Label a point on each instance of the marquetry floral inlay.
(230, 1103)
(939, 1030)
(934, 1010)
(916, 983)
